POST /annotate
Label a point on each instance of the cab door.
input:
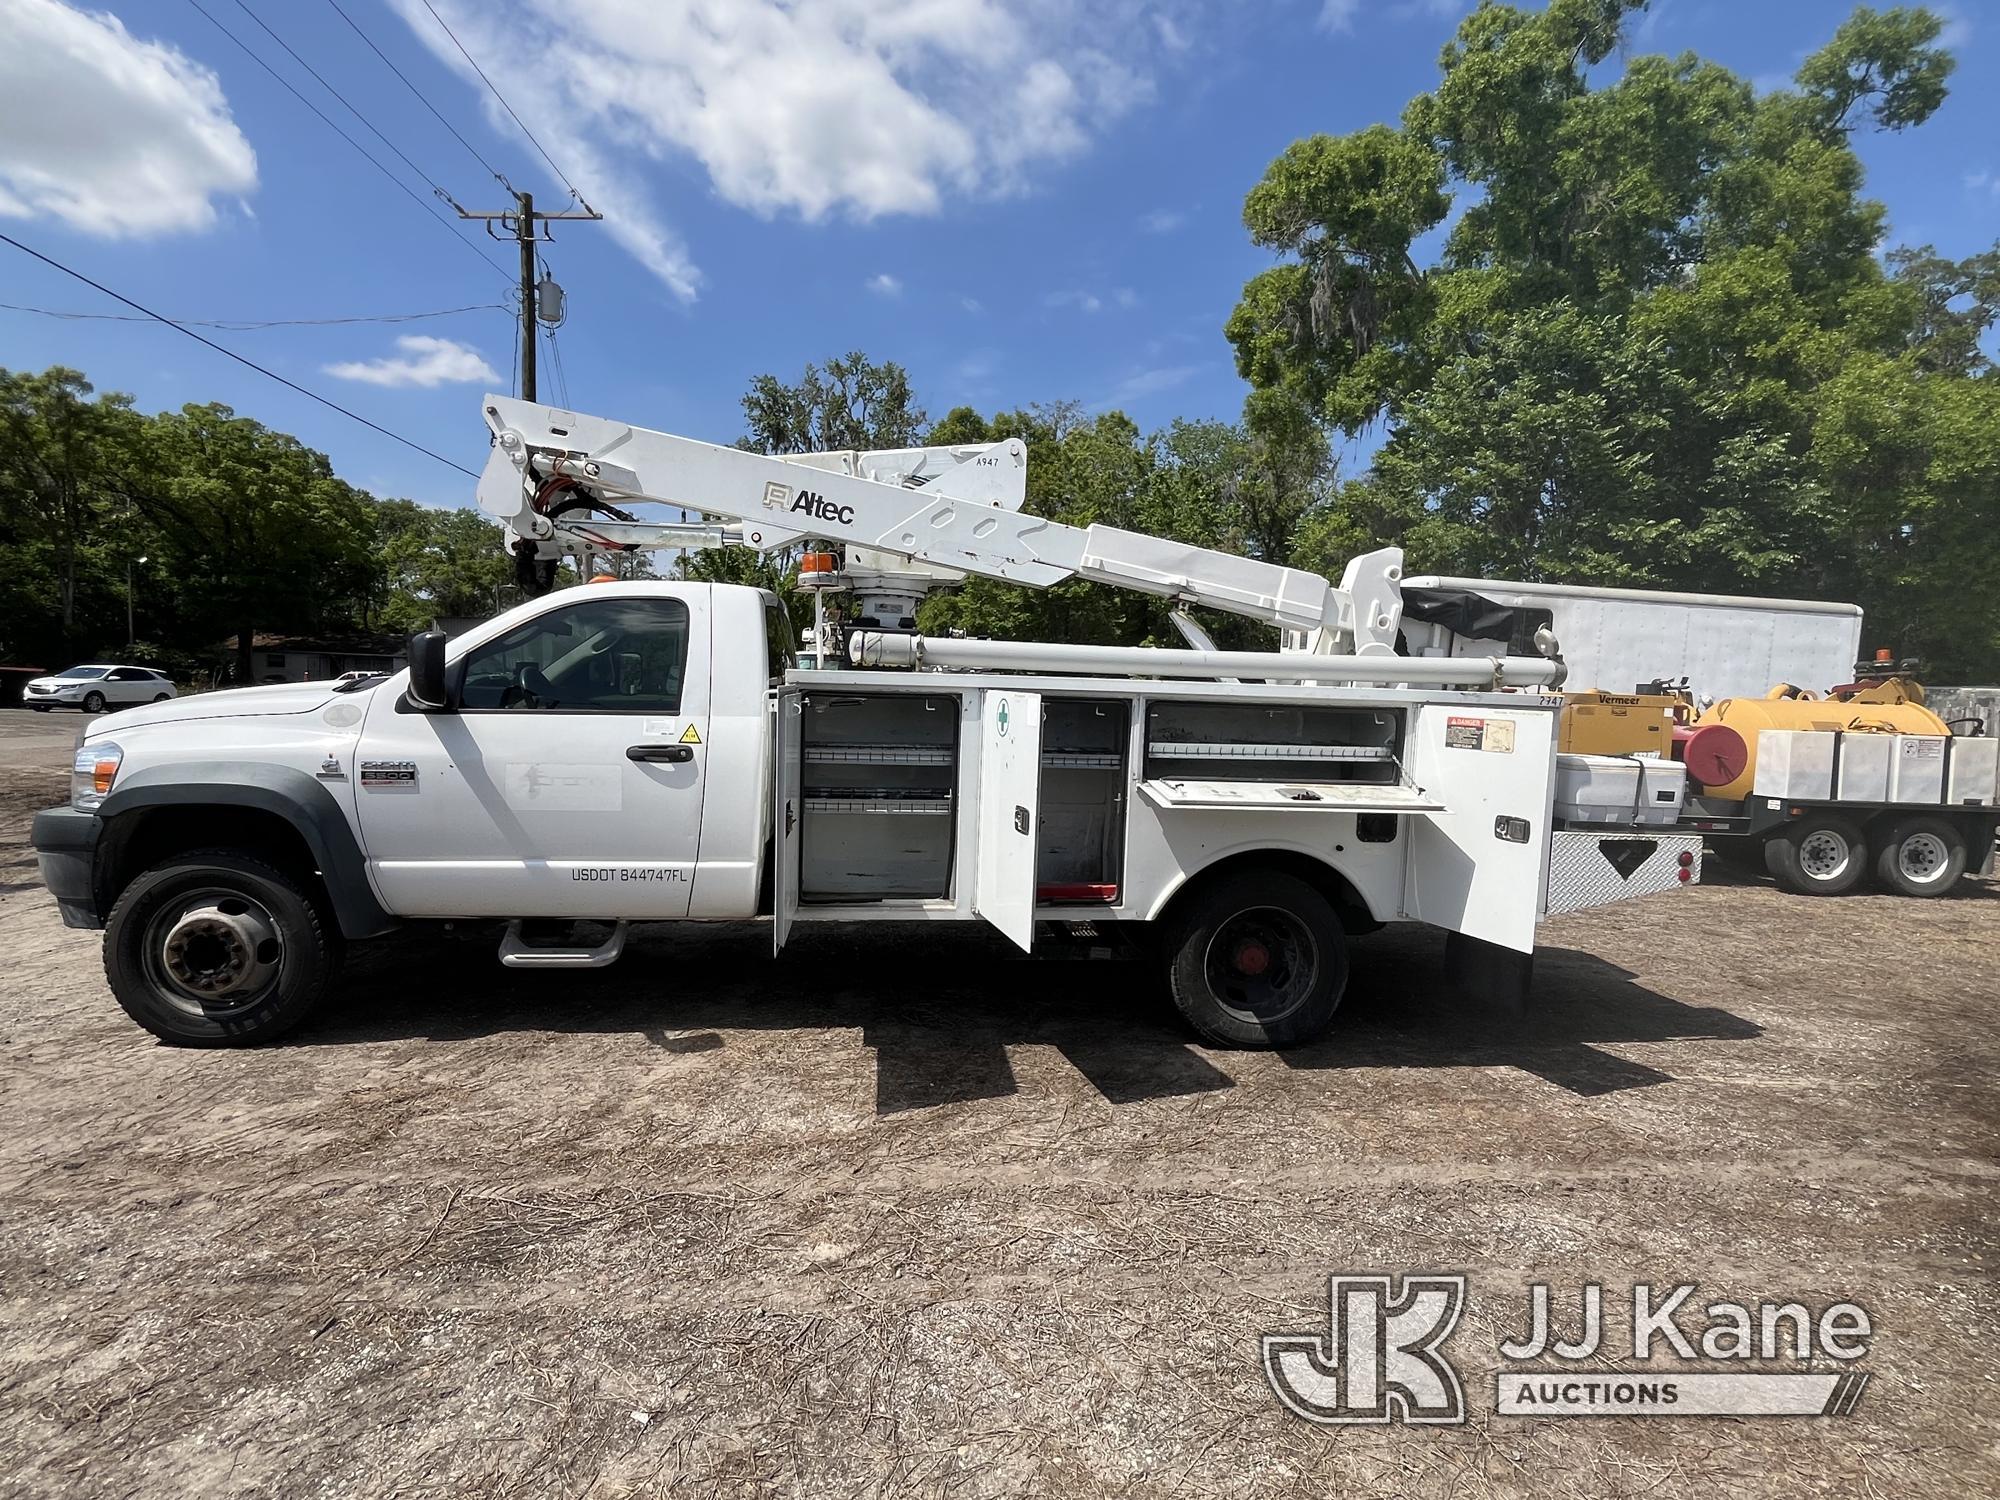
(569, 780)
(1010, 775)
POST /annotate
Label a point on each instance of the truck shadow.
(940, 1008)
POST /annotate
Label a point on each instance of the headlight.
(91, 774)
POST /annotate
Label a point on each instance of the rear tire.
(1258, 960)
(161, 697)
(1821, 854)
(93, 703)
(1920, 856)
(217, 949)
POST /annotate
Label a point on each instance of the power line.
(232, 325)
(422, 98)
(506, 106)
(373, 160)
(232, 354)
(319, 78)
(555, 360)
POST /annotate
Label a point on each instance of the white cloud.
(884, 285)
(816, 108)
(1338, 15)
(972, 304)
(109, 134)
(1082, 301)
(425, 362)
(1162, 221)
(1125, 297)
(1151, 383)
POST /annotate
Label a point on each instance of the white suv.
(96, 688)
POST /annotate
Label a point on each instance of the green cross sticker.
(1002, 717)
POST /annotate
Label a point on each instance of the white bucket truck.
(646, 752)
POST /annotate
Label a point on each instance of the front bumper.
(65, 843)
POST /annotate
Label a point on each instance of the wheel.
(161, 697)
(217, 949)
(1920, 856)
(93, 703)
(1821, 854)
(1258, 960)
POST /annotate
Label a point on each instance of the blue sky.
(1021, 202)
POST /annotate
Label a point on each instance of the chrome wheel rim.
(1923, 858)
(213, 952)
(1824, 854)
(1261, 964)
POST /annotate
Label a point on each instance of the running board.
(516, 953)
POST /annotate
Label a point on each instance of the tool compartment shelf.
(1212, 742)
(1080, 848)
(879, 786)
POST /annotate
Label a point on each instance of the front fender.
(289, 794)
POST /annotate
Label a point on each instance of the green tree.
(262, 534)
(433, 563)
(851, 402)
(67, 477)
(1649, 347)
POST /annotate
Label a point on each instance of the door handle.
(674, 753)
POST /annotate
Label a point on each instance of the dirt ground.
(910, 1216)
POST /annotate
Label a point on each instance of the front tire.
(1920, 856)
(217, 949)
(161, 697)
(1821, 854)
(1258, 960)
(93, 703)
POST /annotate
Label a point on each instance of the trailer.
(1619, 640)
(649, 752)
(1800, 760)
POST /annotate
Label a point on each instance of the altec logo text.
(1382, 1357)
(806, 503)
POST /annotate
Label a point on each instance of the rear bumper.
(65, 843)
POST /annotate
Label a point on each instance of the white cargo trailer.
(1727, 646)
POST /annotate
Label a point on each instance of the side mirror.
(427, 683)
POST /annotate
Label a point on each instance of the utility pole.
(521, 220)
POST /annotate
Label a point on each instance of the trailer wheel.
(1921, 856)
(216, 949)
(1258, 960)
(1821, 854)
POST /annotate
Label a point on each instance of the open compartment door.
(787, 812)
(1478, 866)
(1010, 776)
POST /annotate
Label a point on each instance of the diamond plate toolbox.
(1595, 869)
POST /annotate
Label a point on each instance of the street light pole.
(131, 634)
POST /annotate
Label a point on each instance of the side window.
(126, 674)
(600, 656)
(778, 637)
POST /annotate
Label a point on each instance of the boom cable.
(240, 359)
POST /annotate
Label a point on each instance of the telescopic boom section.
(561, 482)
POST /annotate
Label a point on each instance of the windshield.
(75, 673)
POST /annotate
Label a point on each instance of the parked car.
(96, 688)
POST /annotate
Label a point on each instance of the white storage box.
(1916, 768)
(1619, 790)
(1864, 767)
(1972, 768)
(1795, 763)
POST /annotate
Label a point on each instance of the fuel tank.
(1871, 711)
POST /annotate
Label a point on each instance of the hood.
(54, 681)
(229, 703)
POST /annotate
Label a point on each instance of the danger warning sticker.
(1495, 735)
